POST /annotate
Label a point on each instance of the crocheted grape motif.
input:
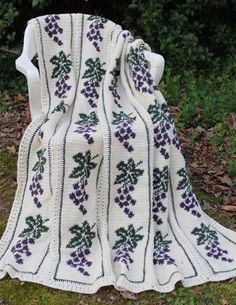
(127, 178)
(190, 202)
(87, 125)
(160, 189)
(125, 245)
(28, 237)
(163, 121)
(161, 248)
(53, 29)
(139, 71)
(82, 241)
(124, 128)
(94, 74)
(35, 186)
(94, 34)
(209, 238)
(113, 87)
(62, 68)
(82, 171)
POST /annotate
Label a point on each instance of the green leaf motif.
(128, 237)
(60, 107)
(122, 116)
(160, 179)
(83, 236)
(35, 227)
(205, 234)
(99, 19)
(94, 70)
(116, 71)
(90, 119)
(185, 182)
(129, 172)
(39, 165)
(160, 242)
(160, 113)
(62, 64)
(85, 165)
(136, 56)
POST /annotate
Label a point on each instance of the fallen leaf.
(128, 295)
(225, 180)
(11, 149)
(224, 302)
(229, 208)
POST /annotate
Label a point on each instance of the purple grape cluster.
(161, 248)
(79, 261)
(141, 77)
(139, 69)
(162, 138)
(87, 125)
(86, 131)
(175, 140)
(124, 199)
(90, 91)
(79, 195)
(208, 236)
(113, 89)
(94, 34)
(158, 207)
(123, 133)
(190, 202)
(36, 189)
(123, 255)
(127, 33)
(216, 252)
(21, 248)
(53, 29)
(62, 86)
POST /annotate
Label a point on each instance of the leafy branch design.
(189, 202)
(62, 67)
(127, 242)
(113, 86)
(162, 121)
(87, 125)
(209, 238)
(94, 74)
(82, 173)
(139, 71)
(127, 178)
(161, 249)
(60, 107)
(82, 242)
(28, 236)
(35, 186)
(160, 189)
(124, 131)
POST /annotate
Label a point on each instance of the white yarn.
(103, 194)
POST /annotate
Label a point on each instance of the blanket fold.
(103, 194)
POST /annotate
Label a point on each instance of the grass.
(15, 292)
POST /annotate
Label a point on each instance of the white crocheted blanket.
(103, 194)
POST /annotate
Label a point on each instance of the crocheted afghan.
(103, 194)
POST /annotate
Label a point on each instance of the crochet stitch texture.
(103, 194)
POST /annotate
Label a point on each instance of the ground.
(210, 181)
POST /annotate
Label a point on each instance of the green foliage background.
(196, 37)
